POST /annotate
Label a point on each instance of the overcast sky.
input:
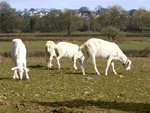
(76, 4)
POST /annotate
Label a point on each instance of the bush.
(111, 32)
(16, 31)
(147, 48)
(27, 31)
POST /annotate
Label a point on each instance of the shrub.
(147, 48)
(111, 32)
(16, 31)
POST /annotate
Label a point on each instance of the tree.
(111, 32)
(32, 22)
(19, 13)
(131, 24)
(131, 12)
(140, 18)
(26, 17)
(78, 22)
(69, 17)
(42, 10)
(115, 16)
(93, 21)
(7, 16)
(99, 10)
(56, 19)
(84, 11)
(32, 10)
(147, 16)
(26, 13)
(19, 23)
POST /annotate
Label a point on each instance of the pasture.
(68, 91)
(30, 45)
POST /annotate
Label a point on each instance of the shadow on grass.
(6, 78)
(129, 107)
(87, 73)
(74, 73)
(24, 78)
(36, 66)
(64, 68)
(53, 68)
(56, 68)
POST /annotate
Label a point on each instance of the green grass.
(136, 46)
(67, 90)
(6, 46)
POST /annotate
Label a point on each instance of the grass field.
(68, 91)
(5, 46)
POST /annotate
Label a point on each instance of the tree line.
(82, 19)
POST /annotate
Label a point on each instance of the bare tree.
(84, 11)
(26, 13)
(99, 9)
(32, 10)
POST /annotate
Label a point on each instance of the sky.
(76, 4)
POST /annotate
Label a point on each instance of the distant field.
(129, 39)
(68, 91)
(5, 46)
(63, 33)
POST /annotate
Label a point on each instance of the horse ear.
(14, 68)
(26, 69)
